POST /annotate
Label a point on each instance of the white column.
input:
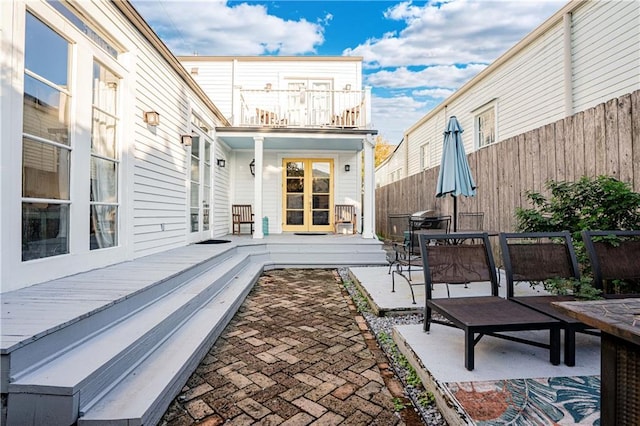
(258, 142)
(369, 198)
(567, 63)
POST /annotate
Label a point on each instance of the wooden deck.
(107, 319)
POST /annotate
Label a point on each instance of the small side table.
(619, 321)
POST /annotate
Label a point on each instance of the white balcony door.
(309, 102)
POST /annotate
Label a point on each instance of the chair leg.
(554, 344)
(426, 325)
(570, 346)
(468, 350)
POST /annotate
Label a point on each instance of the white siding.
(217, 76)
(222, 191)
(153, 171)
(606, 51)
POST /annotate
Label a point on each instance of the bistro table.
(619, 321)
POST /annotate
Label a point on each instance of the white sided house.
(116, 160)
(585, 54)
(301, 123)
(112, 150)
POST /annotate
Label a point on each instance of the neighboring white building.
(299, 120)
(585, 54)
(110, 149)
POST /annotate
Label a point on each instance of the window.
(485, 123)
(425, 156)
(104, 160)
(46, 151)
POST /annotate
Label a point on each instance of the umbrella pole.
(455, 214)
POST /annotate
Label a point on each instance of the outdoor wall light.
(186, 140)
(267, 87)
(152, 118)
(347, 87)
(220, 162)
(252, 167)
(347, 168)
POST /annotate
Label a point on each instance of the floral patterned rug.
(548, 401)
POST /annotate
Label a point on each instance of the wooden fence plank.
(579, 144)
(599, 135)
(624, 139)
(589, 142)
(569, 150)
(559, 146)
(635, 138)
(611, 146)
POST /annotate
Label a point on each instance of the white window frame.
(478, 113)
(425, 155)
(16, 273)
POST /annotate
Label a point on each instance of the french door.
(200, 187)
(308, 195)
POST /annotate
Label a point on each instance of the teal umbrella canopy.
(454, 177)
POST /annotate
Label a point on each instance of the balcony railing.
(303, 108)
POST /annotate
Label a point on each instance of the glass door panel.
(308, 195)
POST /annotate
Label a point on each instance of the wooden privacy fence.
(603, 140)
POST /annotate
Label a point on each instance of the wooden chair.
(536, 257)
(615, 262)
(241, 214)
(345, 213)
(478, 316)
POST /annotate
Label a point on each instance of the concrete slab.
(511, 383)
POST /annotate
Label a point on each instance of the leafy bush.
(601, 203)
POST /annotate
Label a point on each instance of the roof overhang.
(294, 138)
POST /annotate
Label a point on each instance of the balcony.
(343, 109)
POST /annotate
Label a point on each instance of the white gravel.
(429, 413)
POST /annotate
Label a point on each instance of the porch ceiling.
(295, 139)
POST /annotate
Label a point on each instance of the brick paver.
(294, 354)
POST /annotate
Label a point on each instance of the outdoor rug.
(555, 400)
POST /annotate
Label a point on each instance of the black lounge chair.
(536, 257)
(481, 315)
(615, 262)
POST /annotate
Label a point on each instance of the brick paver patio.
(296, 353)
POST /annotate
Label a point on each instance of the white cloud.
(392, 116)
(436, 93)
(214, 28)
(453, 32)
(444, 76)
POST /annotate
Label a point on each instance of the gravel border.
(384, 326)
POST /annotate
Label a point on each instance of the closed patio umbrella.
(455, 175)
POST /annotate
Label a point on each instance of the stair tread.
(133, 397)
(66, 372)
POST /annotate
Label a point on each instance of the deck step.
(148, 389)
(49, 343)
(62, 387)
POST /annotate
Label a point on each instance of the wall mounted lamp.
(186, 140)
(221, 162)
(267, 87)
(252, 167)
(347, 87)
(152, 118)
(347, 168)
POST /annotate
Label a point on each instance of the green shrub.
(601, 203)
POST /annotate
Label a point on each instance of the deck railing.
(303, 108)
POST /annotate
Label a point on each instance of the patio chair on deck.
(408, 254)
(615, 261)
(241, 214)
(478, 316)
(536, 257)
(345, 214)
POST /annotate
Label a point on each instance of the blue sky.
(416, 53)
